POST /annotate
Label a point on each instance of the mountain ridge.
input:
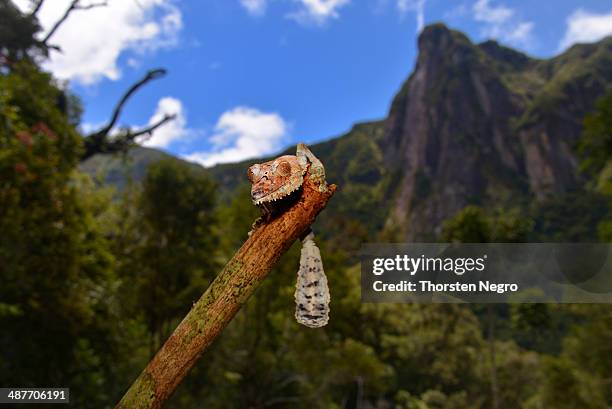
(463, 132)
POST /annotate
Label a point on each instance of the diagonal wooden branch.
(74, 5)
(222, 300)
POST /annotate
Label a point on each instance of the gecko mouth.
(259, 196)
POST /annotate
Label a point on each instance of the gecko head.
(277, 178)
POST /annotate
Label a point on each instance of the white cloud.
(243, 133)
(255, 8)
(418, 6)
(521, 34)
(317, 12)
(92, 40)
(586, 27)
(483, 11)
(170, 131)
(501, 22)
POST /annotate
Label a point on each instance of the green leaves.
(595, 146)
(474, 225)
(172, 252)
(55, 264)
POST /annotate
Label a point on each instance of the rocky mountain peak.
(441, 48)
(467, 128)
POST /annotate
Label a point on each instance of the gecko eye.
(284, 169)
(253, 173)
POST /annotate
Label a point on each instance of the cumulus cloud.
(418, 6)
(586, 27)
(501, 22)
(317, 12)
(255, 8)
(170, 131)
(92, 40)
(483, 11)
(243, 133)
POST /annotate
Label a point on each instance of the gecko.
(274, 186)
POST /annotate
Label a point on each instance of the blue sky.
(250, 77)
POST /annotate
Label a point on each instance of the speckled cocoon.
(311, 291)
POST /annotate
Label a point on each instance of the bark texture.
(222, 300)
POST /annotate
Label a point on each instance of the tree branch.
(123, 141)
(223, 298)
(92, 5)
(101, 140)
(150, 75)
(36, 8)
(74, 5)
(149, 129)
(52, 47)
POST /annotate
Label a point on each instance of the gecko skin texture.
(276, 179)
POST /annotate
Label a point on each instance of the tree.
(55, 263)
(20, 42)
(580, 376)
(58, 306)
(570, 217)
(473, 225)
(595, 149)
(595, 145)
(18, 35)
(175, 256)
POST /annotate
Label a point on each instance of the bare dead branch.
(105, 144)
(74, 5)
(36, 8)
(102, 141)
(92, 5)
(149, 76)
(149, 130)
(61, 21)
(53, 47)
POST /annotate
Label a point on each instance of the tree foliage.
(170, 255)
(595, 146)
(56, 267)
(18, 35)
